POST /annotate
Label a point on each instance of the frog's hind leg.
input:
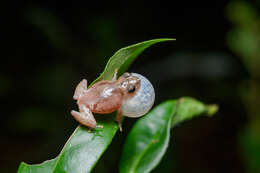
(81, 89)
(84, 117)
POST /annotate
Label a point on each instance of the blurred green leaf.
(250, 143)
(243, 39)
(241, 13)
(189, 108)
(149, 138)
(244, 43)
(84, 148)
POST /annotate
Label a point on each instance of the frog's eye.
(131, 89)
(142, 100)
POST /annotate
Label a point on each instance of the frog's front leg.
(81, 89)
(85, 116)
(119, 118)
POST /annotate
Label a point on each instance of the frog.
(121, 94)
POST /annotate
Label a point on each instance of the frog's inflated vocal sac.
(131, 95)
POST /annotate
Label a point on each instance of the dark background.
(50, 46)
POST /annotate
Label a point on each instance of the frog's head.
(129, 84)
(138, 94)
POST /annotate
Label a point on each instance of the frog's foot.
(120, 127)
(100, 126)
(85, 118)
(81, 89)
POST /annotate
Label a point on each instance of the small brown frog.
(130, 95)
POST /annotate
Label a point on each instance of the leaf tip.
(212, 109)
(168, 39)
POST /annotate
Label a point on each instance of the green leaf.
(189, 108)
(84, 147)
(149, 138)
(81, 151)
(124, 57)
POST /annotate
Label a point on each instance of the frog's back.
(103, 98)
